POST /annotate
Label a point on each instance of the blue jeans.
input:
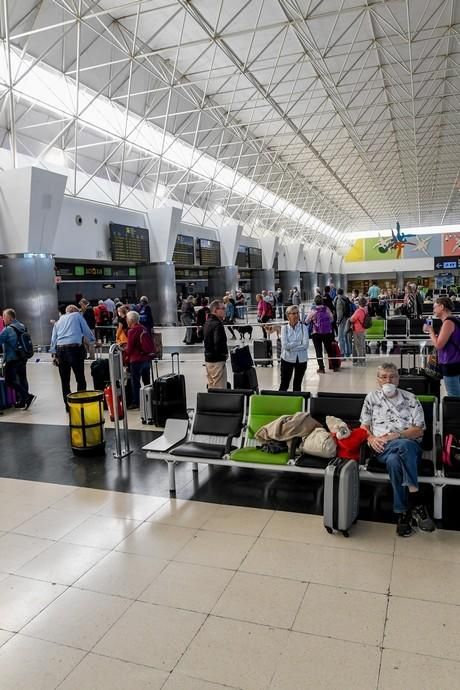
(452, 384)
(139, 370)
(344, 338)
(401, 457)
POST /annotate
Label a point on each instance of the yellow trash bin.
(86, 420)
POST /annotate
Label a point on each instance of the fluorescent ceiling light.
(55, 92)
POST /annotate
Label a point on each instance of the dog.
(242, 330)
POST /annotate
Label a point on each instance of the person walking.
(294, 350)
(215, 346)
(188, 318)
(447, 344)
(322, 321)
(121, 336)
(343, 311)
(68, 349)
(357, 320)
(139, 362)
(373, 294)
(15, 361)
(264, 311)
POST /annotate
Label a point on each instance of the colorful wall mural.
(404, 246)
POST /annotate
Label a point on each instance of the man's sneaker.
(403, 528)
(421, 518)
(31, 399)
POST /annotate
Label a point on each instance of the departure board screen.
(255, 257)
(184, 252)
(129, 244)
(242, 257)
(209, 251)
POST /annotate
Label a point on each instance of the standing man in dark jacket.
(88, 314)
(215, 346)
(145, 313)
(15, 367)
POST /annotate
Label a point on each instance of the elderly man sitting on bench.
(395, 422)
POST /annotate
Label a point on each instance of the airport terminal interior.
(255, 152)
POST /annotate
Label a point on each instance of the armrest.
(438, 452)
(364, 453)
(228, 444)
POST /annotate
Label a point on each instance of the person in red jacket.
(137, 359)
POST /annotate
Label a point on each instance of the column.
(308, 285)
(221, 280)
(288, 280)
(157, 281)
(399, 280)
(261, 279)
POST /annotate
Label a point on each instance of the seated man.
(395, 422)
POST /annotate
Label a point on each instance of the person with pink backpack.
(321, 320)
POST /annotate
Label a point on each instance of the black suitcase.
(263, 353)
(100, 373)
(246, 380)
(241, 359)
(168, 396)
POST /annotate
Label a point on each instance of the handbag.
(319, 443)
(432, 367)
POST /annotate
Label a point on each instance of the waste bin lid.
(85, 397)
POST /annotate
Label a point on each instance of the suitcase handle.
(154, 362)
(175, 354)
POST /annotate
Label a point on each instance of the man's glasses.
(391, 377)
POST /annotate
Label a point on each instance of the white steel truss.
(304, 118)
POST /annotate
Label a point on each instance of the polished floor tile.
(51, 524)
(21, 599)
(345, 614)
(63, 563)
(423, 627)
(27, 663)
(101, 532)
(177, 681)
(279, 558)
(234, 653)
(157, 540)
(188, 586)
(310, 662)
(237, 520)
(132, 506)
(261, 599)
(96, 672)
(77, 619)
(416, 672)
(441, 545)
(122, 574)
(152, 635)
(216, 550)
(17, 549)
(181, 513)
(419, 578)
(5, 636)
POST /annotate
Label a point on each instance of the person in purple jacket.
(447, 343)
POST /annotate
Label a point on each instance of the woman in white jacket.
(294, 350)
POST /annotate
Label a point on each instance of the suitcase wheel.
(329, 530)
(346, 533)
(143, 421)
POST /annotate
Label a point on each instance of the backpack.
(147, 344)
(367, 323)
(322, 321)
(104, 318)
(451, 451)
(24, 345)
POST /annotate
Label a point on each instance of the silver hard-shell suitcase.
(341, 495)
(146, 404)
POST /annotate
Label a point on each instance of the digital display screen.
(79, 271)
(209, 251)
(255, 257)
(184, 252)
(94, 272)
(129, 244)
(242, 258)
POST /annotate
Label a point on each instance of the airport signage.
(446, 263)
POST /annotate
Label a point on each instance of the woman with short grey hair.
(294, 350)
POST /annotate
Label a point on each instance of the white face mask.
(389, 389)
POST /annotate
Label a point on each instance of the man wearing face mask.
(395, 422)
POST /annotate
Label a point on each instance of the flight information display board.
(77, 272)
(255, 257)
(242, 258)
(129, 244)
(209, 252)
(184, 252)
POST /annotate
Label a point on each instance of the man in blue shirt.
(15, 368)
(68, 349)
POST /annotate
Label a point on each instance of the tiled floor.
(98, 592)
(108, 584)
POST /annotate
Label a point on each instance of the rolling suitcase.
(158, 342)
(263, 352)
(341, 495)
(241, 359)
(336, 360)
(167, 396)
(146, 404)
(246, 380)
(100, 373)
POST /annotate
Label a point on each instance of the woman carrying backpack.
(358, 321)
(322, 321)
